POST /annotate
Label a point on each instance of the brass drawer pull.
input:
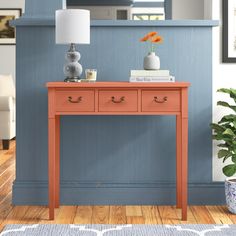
(122, 99)
(160, 101)
(79, 99)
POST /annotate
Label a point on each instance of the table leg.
(184, 128)
(57, 163)
(178, 162)
(51, 165)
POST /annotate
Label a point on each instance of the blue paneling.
(42, 7)
(113, 155)
(168, 9)
(35, 193)
(99, 2)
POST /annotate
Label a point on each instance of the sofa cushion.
(7, 86)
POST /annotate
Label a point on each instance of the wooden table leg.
(57, 163)
(184, 167)
(178, 162)
(51, 165)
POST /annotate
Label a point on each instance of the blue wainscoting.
(114, 159)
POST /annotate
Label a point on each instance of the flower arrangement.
(153, 39)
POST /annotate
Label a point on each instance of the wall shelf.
(49, 21)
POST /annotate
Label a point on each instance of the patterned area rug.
(119, 230)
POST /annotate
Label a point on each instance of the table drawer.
(118, 100)
(160, 100)
(75, 100)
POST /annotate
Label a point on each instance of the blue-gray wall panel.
(42, 8)
(168, 9)
(98, 151)
(99, 2)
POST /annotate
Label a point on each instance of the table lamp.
(72, 27)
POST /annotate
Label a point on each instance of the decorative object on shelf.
(7, 32)
(151, 76)
(225, 131)
(72, 27)
(91, 75)
(152, 61)
(229, 31)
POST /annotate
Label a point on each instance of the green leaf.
(234, 158)
(223, 153)
(222, 145)
(229, 170)
(217, 127)
(224, 90)
(226, 104)
(226, 157)
(229, 132)
(228, 118)
(231, 92)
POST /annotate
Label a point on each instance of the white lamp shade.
(72, 26)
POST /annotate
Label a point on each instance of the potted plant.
(225, 132)
(151, 61)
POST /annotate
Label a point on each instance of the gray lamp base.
(72, 69)
(73, 80)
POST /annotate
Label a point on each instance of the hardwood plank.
(11, 148)
(225, 210)
(66, 215)
(168, 215)
(15, 216)
(5, 207)
(100, 215)
(9, 162)
(135, 220)
(7, 174)
(83, 215)
(4, 157)
(6, 187)
(218, 215)
(190, 220)
(202, 215)
(133, 211)
(151, 215)
(45, 219)
(34, 214)
(117, 215)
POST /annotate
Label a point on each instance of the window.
(156, 13)
(148, 17)
(149, 0)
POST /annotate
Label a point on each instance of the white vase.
(151, 62)
(230, 194)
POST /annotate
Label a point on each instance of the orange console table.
(118, 98)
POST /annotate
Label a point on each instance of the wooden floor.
(97, 214)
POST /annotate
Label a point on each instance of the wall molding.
(95, 193)
(50, 21)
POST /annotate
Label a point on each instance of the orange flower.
(151, 34)
(145, 38)
(157, 39)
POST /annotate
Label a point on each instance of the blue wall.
(113, 159)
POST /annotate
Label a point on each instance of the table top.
(111, 84)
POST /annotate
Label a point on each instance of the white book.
(153, 79)
(149, 73)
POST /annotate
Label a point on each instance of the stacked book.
(151, 76)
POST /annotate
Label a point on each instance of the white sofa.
(7, 110)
